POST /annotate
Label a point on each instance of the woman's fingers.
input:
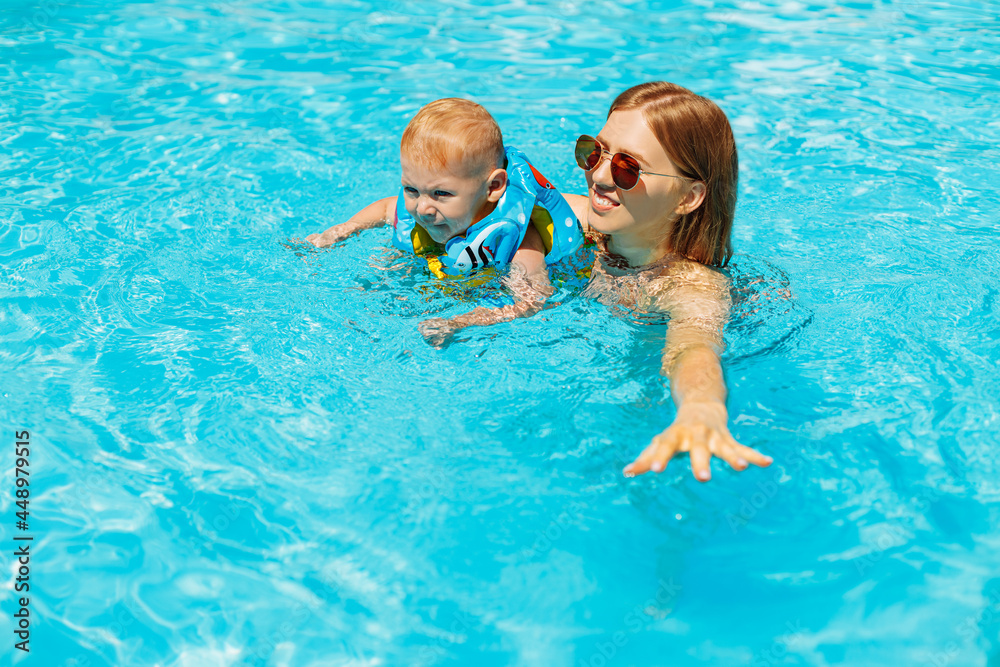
(729, 451)
(742, 454)
(701, 461)
(641, 463)
(700, 449)
(655, 457)
(664, 448)
(754, 457)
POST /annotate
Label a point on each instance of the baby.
(467, 203)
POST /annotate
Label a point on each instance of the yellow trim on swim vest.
(480, 278)
(428, 250)
(541, 220)
(422, 241)
(425, 246)
(435, 265)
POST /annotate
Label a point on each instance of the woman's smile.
(601, 203)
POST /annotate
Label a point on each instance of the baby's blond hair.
(454, 133)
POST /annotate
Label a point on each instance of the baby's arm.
(373, 215)
(528, 279)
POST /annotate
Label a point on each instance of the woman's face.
(642, 214)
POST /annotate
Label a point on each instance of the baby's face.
(445, 202)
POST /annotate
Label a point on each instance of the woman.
(661, 179)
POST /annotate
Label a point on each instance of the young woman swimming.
(661, 180)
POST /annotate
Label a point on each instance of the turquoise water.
(245, 454)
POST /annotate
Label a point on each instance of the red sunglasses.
(625, 171)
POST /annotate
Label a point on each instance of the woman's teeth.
(601, 200)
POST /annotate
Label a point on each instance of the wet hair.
(696, 135)
(454, 130)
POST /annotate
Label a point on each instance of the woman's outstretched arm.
(691, 361)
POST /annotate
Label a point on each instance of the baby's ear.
(497, 185)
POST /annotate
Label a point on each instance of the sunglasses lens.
(624, 171)
(587, 152)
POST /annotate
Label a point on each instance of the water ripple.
(252, 457)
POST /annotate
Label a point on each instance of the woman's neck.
(637, 252)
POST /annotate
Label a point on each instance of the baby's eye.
(410, 192)
(442, 193)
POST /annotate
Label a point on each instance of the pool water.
(244, 453)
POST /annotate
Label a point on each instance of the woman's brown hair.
(697, 137)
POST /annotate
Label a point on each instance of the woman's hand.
(700, 430)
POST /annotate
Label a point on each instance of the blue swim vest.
(528, 199)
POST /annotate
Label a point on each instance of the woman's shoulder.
(690, 269)
(678, 268)
(682, 278)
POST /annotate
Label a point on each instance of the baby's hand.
(295, 244)
(438, 331)
(329, 237)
